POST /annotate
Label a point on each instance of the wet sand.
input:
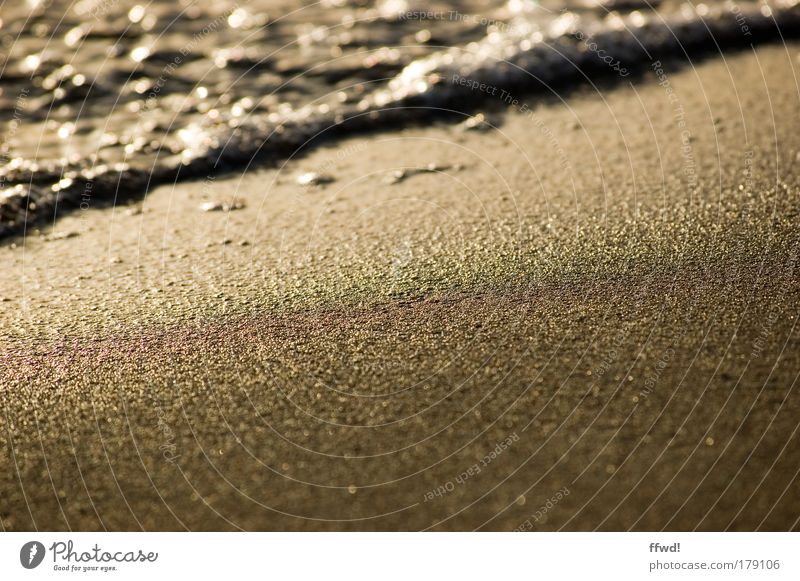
(586, 302)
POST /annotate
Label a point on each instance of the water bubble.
(66, 130)
(238, 18)
(423, 36)
(136, 13)
(74, 36)
(31, 62)
(140, 53)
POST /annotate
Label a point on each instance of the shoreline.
(36, 188)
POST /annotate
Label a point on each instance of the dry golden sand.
(558, 287)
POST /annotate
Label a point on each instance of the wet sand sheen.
(633, 339)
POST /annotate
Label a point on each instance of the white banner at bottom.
(401, 556)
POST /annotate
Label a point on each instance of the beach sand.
(583, 318)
